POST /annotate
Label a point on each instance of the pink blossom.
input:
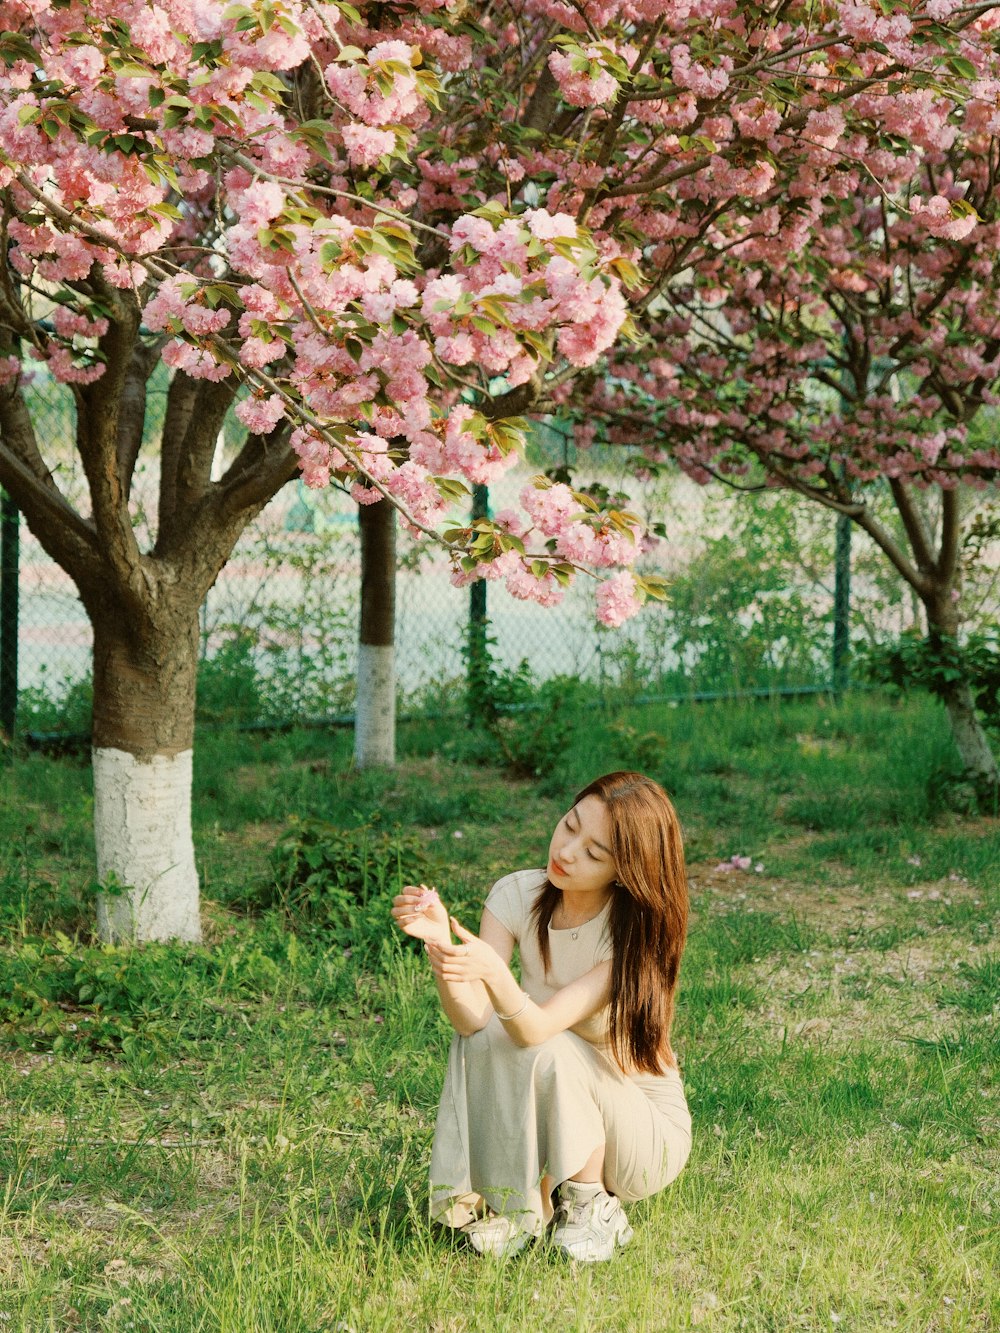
(547, 226)
(527, 586)
(259, 203)
(550, 507)
(366, 145)
(199, 364)
(510, 521)
(825, 127)
(258, 352)
(477, 232)
(703, 80)
(68, 370)
(592, 86)
(261, 415)
(939, 218)
(68, 323)
(426, 898)
(735, 862)
(617, 600)
(365, 495)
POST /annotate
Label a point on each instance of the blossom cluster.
(398, 229)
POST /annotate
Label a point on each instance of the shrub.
(58, 995)
(937, 663)
(229, 682)
(56, 706)
(340, 882)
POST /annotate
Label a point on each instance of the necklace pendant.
(575, 933)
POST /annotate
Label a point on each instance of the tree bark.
(144, 691)
(375, 709)
(968, 732)
(970, 738)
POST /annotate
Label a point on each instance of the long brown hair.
(648, 919)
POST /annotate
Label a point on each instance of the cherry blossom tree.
(853, 365)
(349, 225)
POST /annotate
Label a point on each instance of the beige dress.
(510, 1114)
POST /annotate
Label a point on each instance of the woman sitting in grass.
(567, 1087)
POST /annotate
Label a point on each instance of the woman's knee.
(639, 1179)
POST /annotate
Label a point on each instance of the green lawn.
(236, 1137)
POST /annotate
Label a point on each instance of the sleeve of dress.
(506, 902)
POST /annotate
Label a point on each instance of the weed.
(340, 882)
(978, 988)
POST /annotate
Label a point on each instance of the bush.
(937, 664)
(533, 722)
(229, 682)
(62, 706)
(57, 995)
(340, 882)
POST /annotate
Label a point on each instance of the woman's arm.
(465, 1002)
(473, 961)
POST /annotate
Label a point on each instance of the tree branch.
(181, 398)
(916, 532)
(68, 538)
(98, 411)
(946, 564)
(132, 418)
(200, 442)
(263, 466)
(865, 519)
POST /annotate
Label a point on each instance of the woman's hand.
(471, 959)
(419, 912)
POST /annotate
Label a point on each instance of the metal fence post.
(8, 612)
(478, 651)
(842, 605)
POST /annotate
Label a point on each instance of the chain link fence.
(750, 608)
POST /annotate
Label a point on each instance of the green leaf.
(964, 68)
(14, 46)
(451, 489)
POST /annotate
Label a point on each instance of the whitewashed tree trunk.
(375, 706)
(144, 695)
(375, 712)
(967, 729)
(971, 740)
(142, 599)
(142, 830)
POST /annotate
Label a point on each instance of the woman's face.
(580, 859)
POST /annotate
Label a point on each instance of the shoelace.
(577, 1211)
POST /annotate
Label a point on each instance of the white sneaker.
(589, 1229)
(497, 1235)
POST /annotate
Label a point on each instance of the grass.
(238, 1141)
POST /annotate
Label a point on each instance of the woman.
(569, 1085)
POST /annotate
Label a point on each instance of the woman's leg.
(508, 1114)
(646, 1147)
(592, 1170)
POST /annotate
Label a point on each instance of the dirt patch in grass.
(828, 996)
(825, 906)
(26, 1251)
(836, 902)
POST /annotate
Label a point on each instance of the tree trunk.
(971, 739)
(144, 691)
(968, 732)
(375, 708)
